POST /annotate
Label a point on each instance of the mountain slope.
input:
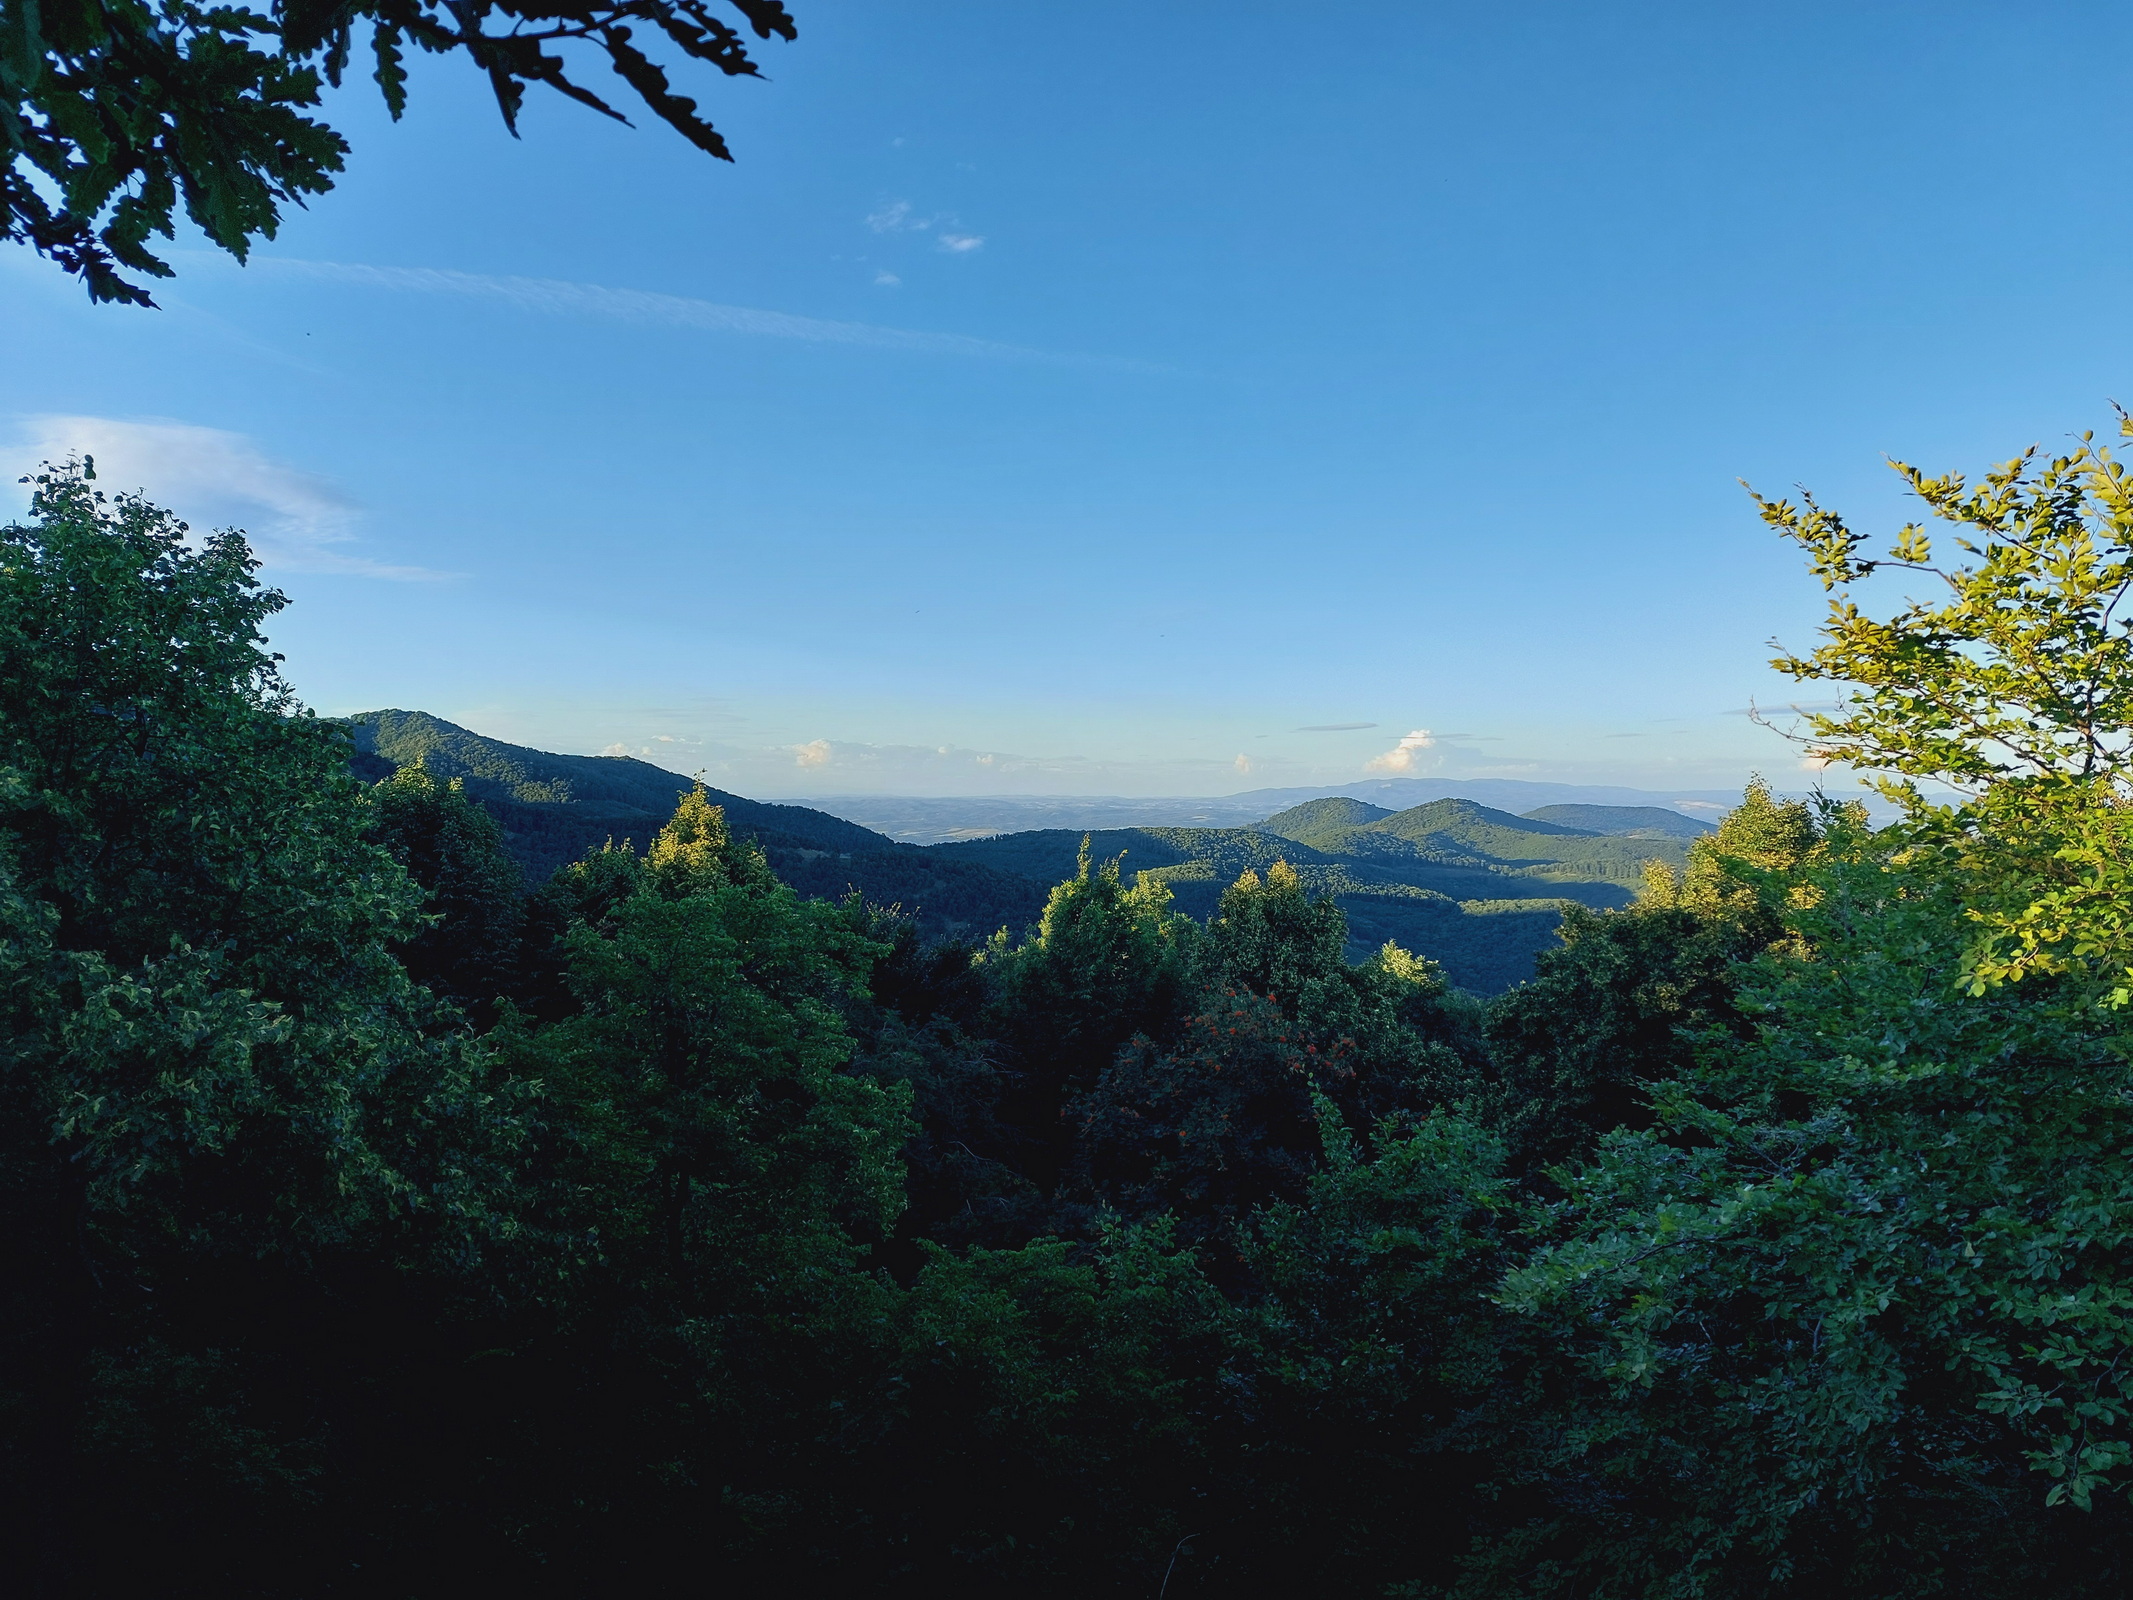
(620, 787)
(1463, 833)
(554, 808)
(1470, 822)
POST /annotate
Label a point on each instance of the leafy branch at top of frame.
(113, 113)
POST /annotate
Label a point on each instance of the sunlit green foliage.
(2021, 666)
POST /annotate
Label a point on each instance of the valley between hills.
(1477, 889)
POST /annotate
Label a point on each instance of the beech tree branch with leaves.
(2023, 667)
(112, 112)
(2013, 687)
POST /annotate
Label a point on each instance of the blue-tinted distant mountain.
(1628, 822)
(1517, 795)
(924, 819)
(939, 819)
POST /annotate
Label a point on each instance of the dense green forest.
(379, 1220)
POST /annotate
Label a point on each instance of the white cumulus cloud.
(961, 244)
(1411, 754)
(212, 478)
(1243, 763)
(815, 753)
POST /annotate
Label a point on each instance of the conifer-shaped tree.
(472, 888)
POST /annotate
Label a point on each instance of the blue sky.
(1133, 399)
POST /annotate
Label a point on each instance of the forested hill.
(1475, 889)
(1628, 822)
(554, 808)
(1464, 836)
(581, 793)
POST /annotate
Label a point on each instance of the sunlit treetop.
(2020, 663)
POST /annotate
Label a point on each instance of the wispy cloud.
(887, 280)
(897, 217)
(1411, 754)
(1334, 727)
(556, 297)
(855, 766)
(294, 520)
(1798, 707)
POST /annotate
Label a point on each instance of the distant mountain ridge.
(938, 819)
(1629, 822)
(1478, 888)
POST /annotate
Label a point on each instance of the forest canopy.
(377, 1222)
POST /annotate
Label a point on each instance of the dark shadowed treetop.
(125, 107)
